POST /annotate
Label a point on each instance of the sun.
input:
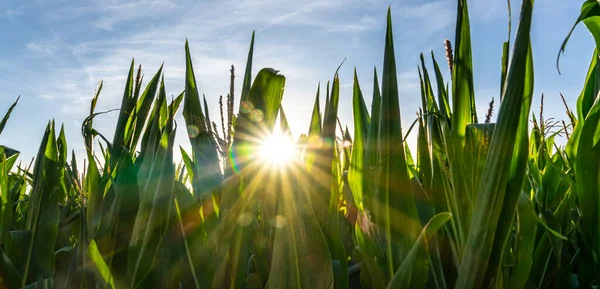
(278, 149)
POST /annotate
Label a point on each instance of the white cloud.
(426, 18)
(43, 48)
(487, 10)
(12, 14)
(107, 14)
(120, 11)
(299, 15)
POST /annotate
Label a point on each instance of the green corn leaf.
(463, 95)
(8, 152)
(18, 254)
(10, 275)
(590, 9)
(232, 272)
(269, 105)
(95, 98)
(398, 216)
(264, 236)
(301, 258)
(547, 255)
(337, 273)
(144, 103)
(43, 212)
(462, 114)
(589, 94)
(412, 168)
(427, 207)
(367, 117)
(153, 134)
(442, 197)
(315, 121)
(356, 175)
(412, 273)
(553, 184)
(332, 228)
(371, 161)
(525, 237)
(200, 256)
(425, 171)
(582, 150)
(100, 266)
(504, 170)
(258, 114)
(156, 122)
(204, 148)
(442, 91)
(164, 116)
(328, 135)
(346, 147)
(257, 119)
(478, 137)
(188, 252)
(6, 197)
(73, 167)
(118, 220)
(156, 180)
(431, 104)
(128, 104)
(61, 145)
(208, 121)
(325, 192)
(505, 53)
(86, 126)
(42, 284)
(505, 57)
(7, 115)
(586, 169)
(314, 133)
(248, 74)
(192, 109)
(422, 86)
(372, 253)
(174, 106)
(189, 164)
(95, 192)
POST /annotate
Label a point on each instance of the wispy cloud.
(299, 15)
(36, 47)
(487, 10)
(12, 14)
(426, 18)
(105, 15)
(118, 12)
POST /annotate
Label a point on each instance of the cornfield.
(478, 205)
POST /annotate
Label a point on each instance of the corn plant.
(479, 205)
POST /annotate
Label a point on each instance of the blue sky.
(54, 53)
